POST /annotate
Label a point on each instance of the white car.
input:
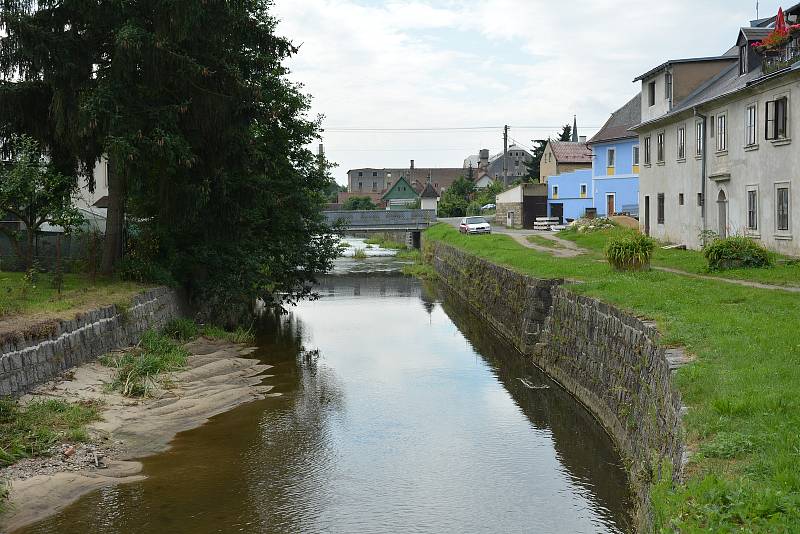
(474, 225)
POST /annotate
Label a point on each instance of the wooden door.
(610, 208)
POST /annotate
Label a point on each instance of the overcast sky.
(484, 63)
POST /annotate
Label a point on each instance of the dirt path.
(745, 283)
(217, 379)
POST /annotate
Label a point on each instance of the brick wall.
(27, 361)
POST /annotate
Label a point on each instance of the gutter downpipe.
(703, 171)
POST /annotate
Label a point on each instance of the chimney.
(484, 159)
(412, 164)
(574, 128)
(582, 138)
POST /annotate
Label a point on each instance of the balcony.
(782, 57)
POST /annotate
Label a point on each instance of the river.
(398, 411)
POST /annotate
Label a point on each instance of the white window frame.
(751, 125)
(753, 231)
(611, 157)
(788, 231)
(583, 191)
(771, 126)
(722, 132)
(681, 143)
(555, 191)
(635, 155)
(648, 150)
(698, 138)
(661, 148)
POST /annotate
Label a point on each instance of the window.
(752, 209)
(651, 93)
(647, 150)
(743, 60)
(680, 199)
(612, 156)
(782, 208)
(698, 138)
(583, 190)
(374, 186)
(682, 142)
(360, 186)
(555, 191)
(750, 125)
(660, 148)
(722, 133)
(711, 126)
(635, 155)
(700, 199)
(668, 86)
(374, 173)
(360, 174)
(660, 208)
(777, 115)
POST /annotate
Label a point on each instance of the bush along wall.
(609, 360)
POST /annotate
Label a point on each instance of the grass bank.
(743, 390)
(20, 297)
(32, 429)
(785, 272)
(383, 241)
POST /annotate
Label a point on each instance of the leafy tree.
(359, 203)
(566, 133)
(35, 193)
(533, 166)
(333, 191)
(205, 135)
(455, 200)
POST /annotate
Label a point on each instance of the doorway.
(557, 210)
(722, 206)
(610, 204)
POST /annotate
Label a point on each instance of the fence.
(78, 251)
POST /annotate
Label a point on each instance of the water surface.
(399, 412)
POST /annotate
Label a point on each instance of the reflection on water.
(399, 413)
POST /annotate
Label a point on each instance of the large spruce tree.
(204, 133)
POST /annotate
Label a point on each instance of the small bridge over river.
(408, 223)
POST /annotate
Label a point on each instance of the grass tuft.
(240, 335)
(30, 430)
(142, 371)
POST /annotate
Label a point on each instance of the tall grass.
(30, 430)
(630, 252)
(240, 335)
(142, 371)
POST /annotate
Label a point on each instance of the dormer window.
(651, 93)
(668, 86)
(743, 59)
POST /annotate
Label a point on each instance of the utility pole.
(505, 155)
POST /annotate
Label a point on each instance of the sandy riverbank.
(218, 378)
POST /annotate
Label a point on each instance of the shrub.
(630, 252)
(735, 252)
(359, 254)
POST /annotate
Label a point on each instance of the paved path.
(571, 250)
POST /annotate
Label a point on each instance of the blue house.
(569, 194)
(615, 162)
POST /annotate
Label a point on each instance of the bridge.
(408, 222)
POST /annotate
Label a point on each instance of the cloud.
(401, 64)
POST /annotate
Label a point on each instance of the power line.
(344, 129)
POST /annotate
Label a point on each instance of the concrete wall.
(29, 360)
(607, 359)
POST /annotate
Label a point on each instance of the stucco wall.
(761, 167)
(609, 360)
(28, 361)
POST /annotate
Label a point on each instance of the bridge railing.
(382, 219)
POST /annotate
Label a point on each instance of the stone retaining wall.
(29, 361)
(607, 359)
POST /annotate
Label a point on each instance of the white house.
(717, 146)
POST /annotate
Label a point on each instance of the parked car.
(474, 225)
(488, 207)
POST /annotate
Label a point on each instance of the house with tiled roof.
(717, 145)
(615, 162)
(379, 181)
(564, 156)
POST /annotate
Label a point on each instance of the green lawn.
(743, 391)
(78, 293)
(785, 272)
